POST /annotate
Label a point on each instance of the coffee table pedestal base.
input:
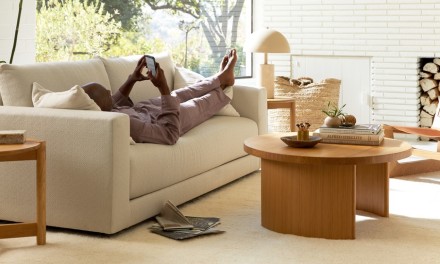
(320, 200)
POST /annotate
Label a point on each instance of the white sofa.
(96, 180)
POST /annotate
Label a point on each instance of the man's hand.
(137, 75)
(159, 80)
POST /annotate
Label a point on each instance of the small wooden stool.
(280, 102)
(30, 150)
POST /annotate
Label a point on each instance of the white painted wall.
(25, 51)
(393, 34)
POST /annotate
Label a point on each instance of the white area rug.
(410, 235)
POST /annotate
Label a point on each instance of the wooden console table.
(30, 150)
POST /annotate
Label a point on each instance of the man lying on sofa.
(164, 119)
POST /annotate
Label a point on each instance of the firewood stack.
(429, 82)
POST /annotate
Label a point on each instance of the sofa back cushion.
(118, 70)
(16, 80)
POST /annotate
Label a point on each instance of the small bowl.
(292, 141)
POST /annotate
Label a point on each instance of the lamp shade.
(267, 41)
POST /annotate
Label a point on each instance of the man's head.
(100, 95)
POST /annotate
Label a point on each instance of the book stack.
(367, 134)
(12, 136)
(173, 224)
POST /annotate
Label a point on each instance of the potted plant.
(16, 33)
(333, 113)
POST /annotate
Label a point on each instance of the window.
(197, 33)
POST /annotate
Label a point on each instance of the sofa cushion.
(118, 70)
(16, 80)
(184, 77)
(74, 98)
(228, 110)
(210, 144)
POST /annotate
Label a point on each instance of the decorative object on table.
(303, 131)
(348, 120)
(334, 114)
(367, 134)
(293, 141)
(12, 136)
(309, 99)
(267, 41)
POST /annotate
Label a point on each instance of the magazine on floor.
(173, 224)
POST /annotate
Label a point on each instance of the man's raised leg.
(195, 111)
(222, 79)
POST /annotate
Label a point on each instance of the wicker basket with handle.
(310, 99)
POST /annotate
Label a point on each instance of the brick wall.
(393, 33)
(25, 50)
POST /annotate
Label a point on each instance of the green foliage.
(333, 110)
(130, 43)
(219, 20)
(190, 7)
(194, 57)
(86, 30)
(125, 11)
(81, 29)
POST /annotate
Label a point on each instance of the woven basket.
(310, 99)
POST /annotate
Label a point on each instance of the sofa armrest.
(251, 102)
(87, 164)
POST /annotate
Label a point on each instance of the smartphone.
(151, 64)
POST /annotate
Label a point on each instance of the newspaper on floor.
(173, 224)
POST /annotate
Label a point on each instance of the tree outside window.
(197, 33)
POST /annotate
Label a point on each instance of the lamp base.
(266, 78)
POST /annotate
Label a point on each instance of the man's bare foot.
(226, 59)
(226, 75)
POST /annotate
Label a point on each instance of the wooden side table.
(289, 103)
(30, 150)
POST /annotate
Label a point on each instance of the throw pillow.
(228, 110)
(184, 77)
(74, 98)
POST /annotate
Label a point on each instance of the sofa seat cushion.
(209, 145)
(16, 80)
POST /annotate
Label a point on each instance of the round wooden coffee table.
(314, 192)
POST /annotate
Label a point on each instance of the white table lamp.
(267, 41)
